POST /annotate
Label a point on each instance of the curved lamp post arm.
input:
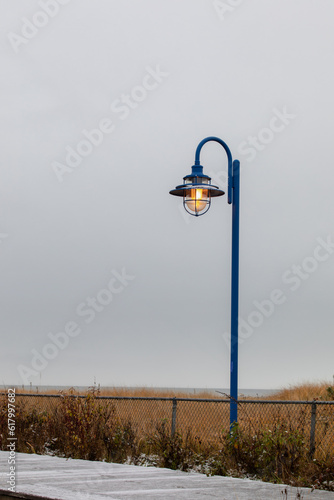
(229, 157)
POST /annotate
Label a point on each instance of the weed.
(271, 446)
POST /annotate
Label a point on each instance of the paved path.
(61, 479)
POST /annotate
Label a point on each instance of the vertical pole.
(312, 434)
(234, 294)
(174, 417)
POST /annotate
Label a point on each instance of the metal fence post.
(312, 435)
(174, 417)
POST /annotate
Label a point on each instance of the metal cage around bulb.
(197, 191)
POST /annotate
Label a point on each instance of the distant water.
(187, 390)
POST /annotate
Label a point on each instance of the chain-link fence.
(205, 419)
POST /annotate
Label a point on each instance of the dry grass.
(271, 441)
(206, 420)
(322, 391)
(144, 392)
(303, 392)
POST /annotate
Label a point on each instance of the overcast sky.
(103, 275)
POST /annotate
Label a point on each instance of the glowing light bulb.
(197, 200)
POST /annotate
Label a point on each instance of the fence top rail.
(195, 400)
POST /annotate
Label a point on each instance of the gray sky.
(103, 275)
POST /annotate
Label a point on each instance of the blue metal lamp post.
(197, 192)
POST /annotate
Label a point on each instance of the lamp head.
(197, 191)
